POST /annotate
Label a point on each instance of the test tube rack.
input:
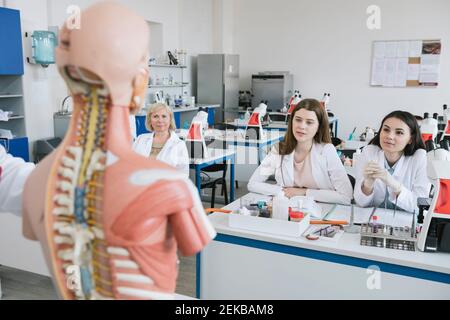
(387, 236)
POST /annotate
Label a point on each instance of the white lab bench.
(241, 264)
(249, 152)
(215, 156)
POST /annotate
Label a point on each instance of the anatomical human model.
(110, 221)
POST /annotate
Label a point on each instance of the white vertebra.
(67, 229)
(63, 240)
(81, 236)
(68, 162)
(125, 264)
(66, 255)
(63, 200)
(118, 251)
(95, 163)
(76, 152)
(144, 294)
(136, 278)
(60, 225)
(67, 173)
(65, 186)
(99, 234)
(62, 211)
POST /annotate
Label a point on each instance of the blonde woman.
(162, 143)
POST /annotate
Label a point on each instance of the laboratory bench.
(249, 152)
(215, 156)
(243, 264)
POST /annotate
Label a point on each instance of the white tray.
(269, 225)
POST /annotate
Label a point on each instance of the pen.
(351, 134)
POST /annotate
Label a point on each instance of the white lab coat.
(328, 172)
(410, 171)
(173, 153)
(13, 174)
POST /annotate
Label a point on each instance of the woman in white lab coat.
(13, 174)
(305, 163)
(162, 143)
(392, 169)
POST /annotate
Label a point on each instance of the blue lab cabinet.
(211, 116)
(11, 56)
(18, 147)
(140, 125)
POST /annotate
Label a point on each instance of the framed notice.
(406, 63)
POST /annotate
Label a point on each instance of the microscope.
(429, 127)
(195, 139)
(254, 128)
(293, 102)
(435, 233)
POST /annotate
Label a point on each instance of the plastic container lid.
(295, 214)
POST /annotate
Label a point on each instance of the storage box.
(269, 225)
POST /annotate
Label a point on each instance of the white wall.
(186, 24)
(327, 46)
(223, 26)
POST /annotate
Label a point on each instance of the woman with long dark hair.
(392, 169)
(305, 163)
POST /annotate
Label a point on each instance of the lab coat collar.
(318, 161)
(288, 169)
(399, 169)
(171, 141)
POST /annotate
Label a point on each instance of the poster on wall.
(406, 63)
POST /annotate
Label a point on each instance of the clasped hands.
(293, 191)
(373, 171)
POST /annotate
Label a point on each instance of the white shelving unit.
(160, 75)
(11, 99)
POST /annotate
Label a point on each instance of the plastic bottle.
(184, 99)
(247, 115)
(280, 207)
(356, 157)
